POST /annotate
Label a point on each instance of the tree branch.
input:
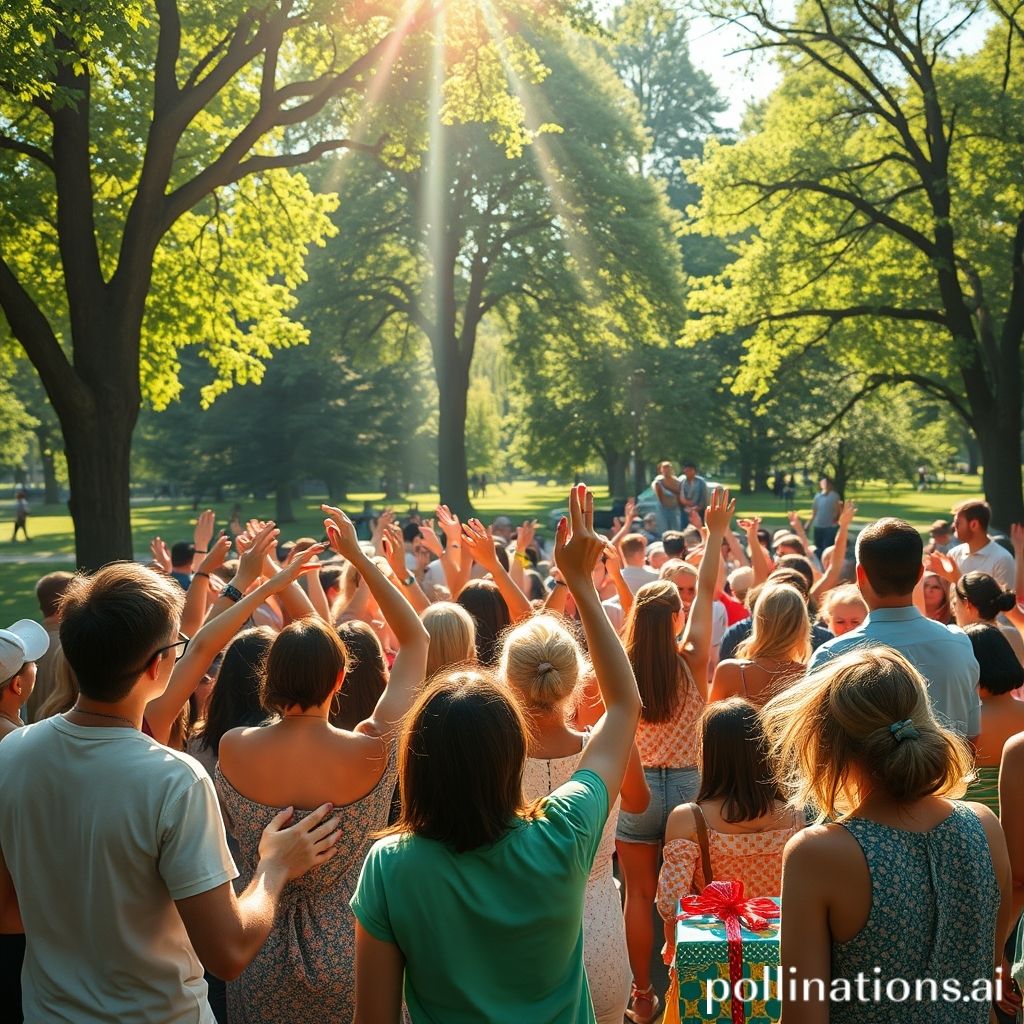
(26, 149)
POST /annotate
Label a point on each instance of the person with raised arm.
(480, 546)
(507, 877)
(305, 971)
(213, 637)
(114, 845)
(394, 552)
(673, 680)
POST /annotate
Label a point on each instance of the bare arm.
(227, 931)
(198, 595)
(479, 544)
(627, 519)
(696, 643)
(759, 559)
(379, 970)
(577, 548)
(455, 561)
(394, 552)
(1011, 813)
(613, 563)
(1015, 614)
(558, 596)
(411, 662)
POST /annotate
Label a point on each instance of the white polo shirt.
(992, 559)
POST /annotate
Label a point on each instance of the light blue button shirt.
(942, 654)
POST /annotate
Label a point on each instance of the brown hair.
(483, 600)
(650, 642)
(839, 721)
(781, 626)
(734, 763)
(633, 544)
(113, 622)
(460, 761)
(890, 553)
(975, 511)
(365, 678)
(50, 589)
(302, 665)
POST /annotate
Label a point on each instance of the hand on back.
(295, 849)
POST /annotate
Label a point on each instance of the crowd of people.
(269, 782)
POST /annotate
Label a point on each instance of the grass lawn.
(53, 545)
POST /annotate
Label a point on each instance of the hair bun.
(544, 666)
(1007, 599)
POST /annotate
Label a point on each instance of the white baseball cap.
(24, 641)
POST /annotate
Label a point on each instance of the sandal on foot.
(643, 1005)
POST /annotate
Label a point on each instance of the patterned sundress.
(305, 972)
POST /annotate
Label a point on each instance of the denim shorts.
(670, 787)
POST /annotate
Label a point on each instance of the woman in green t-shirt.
(476, 897)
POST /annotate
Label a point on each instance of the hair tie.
(904, 730)
(545, 666)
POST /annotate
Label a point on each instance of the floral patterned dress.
(934, 901)
(305, 972)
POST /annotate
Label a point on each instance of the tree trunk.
(615, 464)
(452, 470)
(973, 452)
(1000, 458)
(283, 511)
(337, 488)
(98, 449)
(50, 485)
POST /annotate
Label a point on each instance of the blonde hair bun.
(542, 661)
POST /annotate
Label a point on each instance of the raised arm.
(577, 549)
(627, 522)
(760, 562)
(521, 562)
(215, 635)
(394, 552)
(613, 563)
(480, 545)
(455, 562)
(410, 665)
(202, 537)
(696, 642)
(835, 567)
(1016, 614)
(197, 598)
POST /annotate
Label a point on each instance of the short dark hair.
(410, 532)
(1001, 670)
(689, 465)
(735, 766)
(800, 564)
(674, 543)
(182, 553)
(975, 511)
(890, 551)
(985, 593)
(302, 665)
(50, 589)
(113, 622)
(460, 760)
(366, 678)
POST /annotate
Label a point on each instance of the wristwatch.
(232, 593)
(409, 580)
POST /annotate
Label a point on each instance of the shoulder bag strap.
(702, 841)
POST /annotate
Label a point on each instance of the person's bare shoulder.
(681, 824)
(822, 849)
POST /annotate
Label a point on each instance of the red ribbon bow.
(725, 901)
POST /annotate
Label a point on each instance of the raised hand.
(694, 517)
(161, 555)
(216, 556)
(480, 543)
(307, 560)
(719, 512)
(429, 537)
(612, 560)
(849, 510)
(794, 520)
(630, 511)
(250, 564)
(525, 535)
(1017, 537)
(203, 532)
(942, 565)
(341, 533)
(449, 522)
(750, 525)
(394, 550)
(577, 546)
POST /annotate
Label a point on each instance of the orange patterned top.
(673, 744)
(753, 858)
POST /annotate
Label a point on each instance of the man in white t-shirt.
(113, 846)
(634, 553)
(976, 552)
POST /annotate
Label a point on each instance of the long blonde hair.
(781, 627)
(541, 660)
(452, 636)
(65, 689)
(840, 724)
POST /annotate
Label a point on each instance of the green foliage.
(16, 424)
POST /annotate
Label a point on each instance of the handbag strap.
(702, 841)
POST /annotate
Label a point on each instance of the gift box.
(727, 957)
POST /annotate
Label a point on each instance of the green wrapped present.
(727, 956)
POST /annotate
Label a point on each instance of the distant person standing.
(693, 491)
(20, 516)
(825, 511)
(666, 490)
(789, 493)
